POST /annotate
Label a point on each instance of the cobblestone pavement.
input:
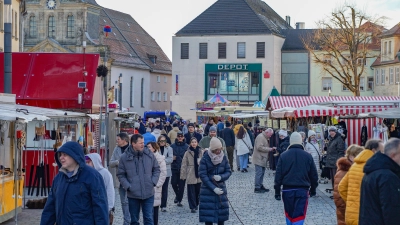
(251, 208)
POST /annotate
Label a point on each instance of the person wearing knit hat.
(228, 136)
(312, 147)
(62, 206)
(298, 180)
(192, 133)
(332, 128)
(205, 141)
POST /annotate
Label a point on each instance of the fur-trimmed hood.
(343, 164)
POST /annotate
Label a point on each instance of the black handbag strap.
(245, 144)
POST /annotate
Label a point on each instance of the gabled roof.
(228, 17)
(130, 44)
(293, 39)
(394, 31)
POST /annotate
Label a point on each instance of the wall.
(15, 39)
(192, 71)
(161, 87)
(387, 89)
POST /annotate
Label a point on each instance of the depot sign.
(226, 67)
(233, 67)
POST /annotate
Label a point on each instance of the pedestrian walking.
(192, 133)
(335, 150)
(297, 174)
(260, 159)
(138, 173)
(179, 148)
(206, 140)
(313, 148)
(94, 160)
(148, 136)
(190, 173)
(243, 147)
(155, 149)
(214, 171)
(173, 133)
(208, 126)
(220, 127)
(349, 186)
(167, 152)
(380, 187)
(62, 206)
(228, 136)
(343, 165)
(122, 145)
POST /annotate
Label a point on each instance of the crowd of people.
(200, 158)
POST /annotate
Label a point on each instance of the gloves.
(218, 191)
(217, 177)
(313, 194)
(278, 197)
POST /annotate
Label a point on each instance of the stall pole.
(106, 121)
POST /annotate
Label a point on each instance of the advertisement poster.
(283, 124)
(269, 123)
(243, 82)
(275, 124)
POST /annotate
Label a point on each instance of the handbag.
(319, 157)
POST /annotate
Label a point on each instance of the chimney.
(288, 20)
(300, 25)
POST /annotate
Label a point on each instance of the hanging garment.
(364, 135)
(385, 134)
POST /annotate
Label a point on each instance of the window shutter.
(203, 51)
(221, 50)
(184, 50)
(260, 49)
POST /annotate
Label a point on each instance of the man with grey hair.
(380, 188)
(260, 159)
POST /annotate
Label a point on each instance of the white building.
(234, 48)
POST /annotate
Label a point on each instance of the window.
(165, 97)
(344, 88)
(142, 93)
(234, 85)
(390, 47)
(327, 59)
(260, 49)
(70, 26)
(203, 48)
(383, 78)
(326, 83)
(376, 76)
(32, 27)
(116, 94)
(241, 50)
(153, 59)
(397, 74)
(361, 61)
(391, 76)
(159, 96)
(221, 50)
(51, 27)
(16, 24)
(362, 83)
(385, 48)
(165, 79)
(184, 50)
(1, 16)
(131, 92)
(370, 84)
(153, 96)
(158, 79)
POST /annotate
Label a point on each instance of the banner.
(177, 85)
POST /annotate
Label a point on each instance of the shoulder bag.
(321, 163)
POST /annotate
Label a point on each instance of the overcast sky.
(162, 19)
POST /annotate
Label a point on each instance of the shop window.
(260, 49)
(241, 50)
(326, 83)
(370, 84)
(221, 50)
(234, 83)
(203, 48)
(184, 50)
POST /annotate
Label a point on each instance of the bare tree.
(343, 42)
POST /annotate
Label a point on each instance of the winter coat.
(220, 127)
(114, 161)
(163, 174)
(169, 155)
(283, 144)
(243, 145)
(380, 192)
(173, 134)
(343, 165)
(148, 137)
(261, 150)
(142, 128)
(179, 149)
(349, 187)
(79, 199)
(107, 177)
(187, 169)
(205, 143)
(156, 133)
(334, 151)
(138, 173)
(213, 207)
(228, 136)
(296, 169)
(313, 149)
(189, 136)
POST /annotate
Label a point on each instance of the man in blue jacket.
(78, 194)
(297, 173)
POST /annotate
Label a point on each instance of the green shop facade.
(234, 81)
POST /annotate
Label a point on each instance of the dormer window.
(153, 58)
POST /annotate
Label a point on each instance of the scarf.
(216, 159)
(162, 150)
(124, 148)
(196, 163)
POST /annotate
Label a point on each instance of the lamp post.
(120, 92)
(7, 47)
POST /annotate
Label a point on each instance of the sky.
(162, 19)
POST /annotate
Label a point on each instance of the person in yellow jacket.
(349, 187)
(237, 127)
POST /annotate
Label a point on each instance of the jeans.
(243, 161)
(164, 193)
(193, 194)
(178, 185)
(230, 150)
(259, 177)
(155, 214)
(237, 160)
(147, 209)
(125, 206)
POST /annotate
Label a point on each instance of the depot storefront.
(236, 82)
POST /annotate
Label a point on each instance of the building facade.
(15, 25)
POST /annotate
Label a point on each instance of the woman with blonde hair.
(168, 153)
(343, 165)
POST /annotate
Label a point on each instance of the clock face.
(51, 4)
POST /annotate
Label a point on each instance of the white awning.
(50, 113)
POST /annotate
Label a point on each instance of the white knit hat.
(296, 139)
(311, 133)
(283, 133)
(215, 143)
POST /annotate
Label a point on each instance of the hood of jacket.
(96, 159)
(364, 156)
(296, 146)
(176, 129)
(381, 161)
(156, 131)
(75, 150)
(343, 164)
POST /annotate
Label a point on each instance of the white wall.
(191, 71)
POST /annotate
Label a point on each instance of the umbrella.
(217, 98)
(259, 104)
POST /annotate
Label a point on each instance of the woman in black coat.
(214, 171)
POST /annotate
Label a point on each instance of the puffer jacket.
(261, 150)
(138, 173)
(173, 134)
(334, 151)
(313, 149)
(179, 149)
(349, 187)
(187, 169)
(163, 174)
(343, 165)
(213, 208)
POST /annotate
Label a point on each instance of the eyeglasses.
(161, 141)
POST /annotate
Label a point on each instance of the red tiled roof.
(394, 31)
(379, 63)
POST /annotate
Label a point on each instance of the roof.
(93, 2)
(131, 45)
(293, 40)
(394, 31)
(228, 17)
(378, 62)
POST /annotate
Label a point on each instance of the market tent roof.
(259, 104)
(283, 112)
(217, 98)
(242, 115)
(393, 113)
(40, 112)
(273, 92)
(18, 115)
(316, 110)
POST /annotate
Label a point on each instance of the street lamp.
(7, 47)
